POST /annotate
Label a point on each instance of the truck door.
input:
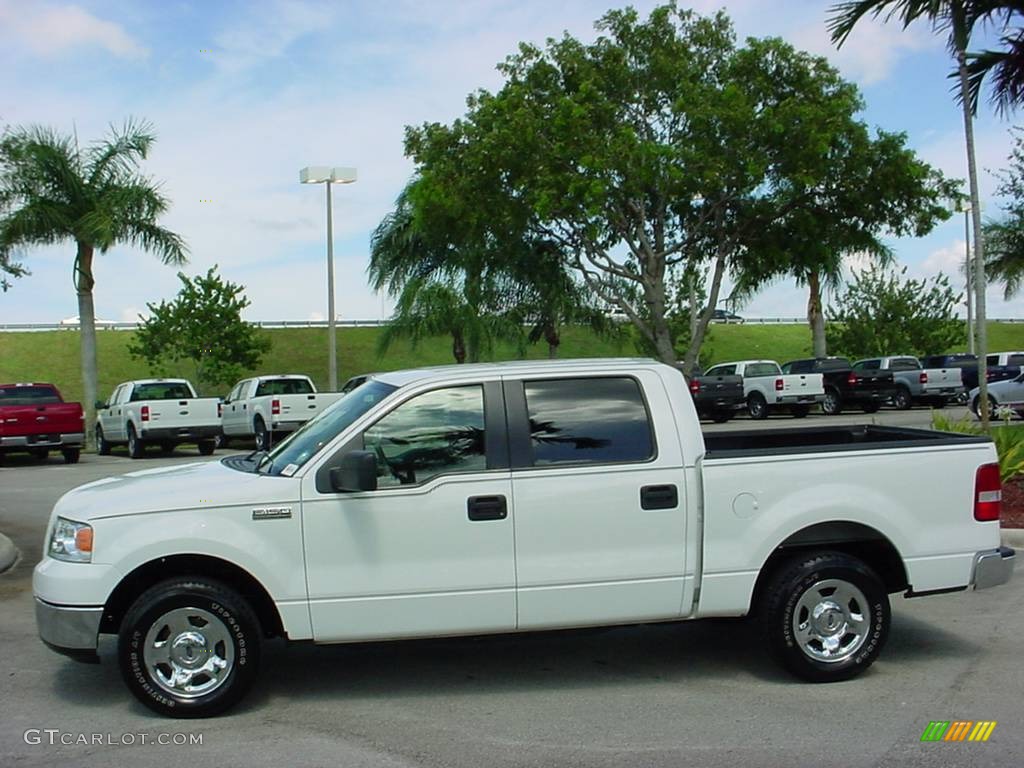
(431, 550)
(112, 418)
(599, 501)
(232, 415)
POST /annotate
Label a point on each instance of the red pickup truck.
(35, 419)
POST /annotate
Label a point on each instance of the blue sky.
(243, 94)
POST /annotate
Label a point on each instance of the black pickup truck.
(869, 390)
(718, 398)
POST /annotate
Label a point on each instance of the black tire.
(102, 446)
(871, 407)
(166, 447)
(720, 417)
(231, 633)
(938, 402)
(207, 447)
(135, 447)
(902, 400)
(757, 407)
(221, 441)
(40, 454)
(832, 405)
(263, 437)
(976, 406)
(856, 616)
(800, 411)
(71, 455)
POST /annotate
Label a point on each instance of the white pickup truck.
(768, 389)
(514, 497)
(269, 407)
(164, 412)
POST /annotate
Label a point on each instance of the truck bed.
(722, 445)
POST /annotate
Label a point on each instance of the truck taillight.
(275, 407)
(852, 379)
(779, 385)
(694, 387)
(923, 378)
(988, 493)
(144, 413)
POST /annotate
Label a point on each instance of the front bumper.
(65, 440)
(181, 434)
(992, 567)
(70, 630)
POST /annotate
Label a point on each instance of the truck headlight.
(71, 541)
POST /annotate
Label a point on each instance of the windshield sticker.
(290, 470)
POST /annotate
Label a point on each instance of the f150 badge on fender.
(271, 513)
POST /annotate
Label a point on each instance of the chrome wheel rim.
(831, 621)
(188, 652)
(829, 406)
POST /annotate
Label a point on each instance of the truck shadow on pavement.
(724, 652)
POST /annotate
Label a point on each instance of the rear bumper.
(181, 434)
(943, 392)
(285, 426)
(719, 404)
(63, 440)
(799, 399)
(992, 567)
(69, 630)
(870, 396)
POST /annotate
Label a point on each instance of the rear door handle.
(487, 508)
(659, 497)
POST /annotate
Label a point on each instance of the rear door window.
(588, 421)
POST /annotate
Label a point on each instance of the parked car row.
(762, 387)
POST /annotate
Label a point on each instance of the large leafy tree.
(204, 325)
(957, 19)
(52, 190)
(1004, 237)
(883, 312)
(660, 145)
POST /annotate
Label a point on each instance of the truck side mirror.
(100, 405)
(358, 472)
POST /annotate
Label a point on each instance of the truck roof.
(746, 362)
(266, 376)
(513, 367)
(158, 381)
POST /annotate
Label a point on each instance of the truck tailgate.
(196, 412)
(301, 407)
(803, 384)
(50, 419)
(942, 379)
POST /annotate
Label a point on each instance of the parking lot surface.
(700, 693)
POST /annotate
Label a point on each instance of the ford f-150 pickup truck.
(766, 388)
(935, 386)
(514, 497)
(716, 396)
(844, 386)
(271, 407)
(164, 412)
(34, 418)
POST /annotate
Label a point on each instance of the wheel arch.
(163, 568)
(856, 539)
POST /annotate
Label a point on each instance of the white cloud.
(49, 29)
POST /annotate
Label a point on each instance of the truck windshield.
(315, 434)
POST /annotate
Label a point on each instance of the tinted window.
(283, 387)
(799, 366)
(761, 369)
(435, 433)
(867, 365)
(163, 390)
(588, 420)
(904, 364)
(1015, 360)
(722, 370)
(28, 395)
(833, 364)
(992, 360)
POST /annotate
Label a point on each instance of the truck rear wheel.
(826, 615)
(263, 437)
(756, 406)
(135, 447)
(102, 446)
(902, 399)
(832, 405)
(189, 647)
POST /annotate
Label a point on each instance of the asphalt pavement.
(691, 694)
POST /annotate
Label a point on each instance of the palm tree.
(53, 190)
(1005, 66)
(957, 17)
(1005, 262)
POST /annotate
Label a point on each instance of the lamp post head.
(319, 174)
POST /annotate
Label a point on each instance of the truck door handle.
(487, 508)
(659, 497)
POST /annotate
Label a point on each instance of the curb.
(1013, 537)
(8, 553)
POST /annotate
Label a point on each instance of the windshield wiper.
(259, 458)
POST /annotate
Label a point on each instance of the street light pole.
(332, 321)
(319, 174)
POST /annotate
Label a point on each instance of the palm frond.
(120, 153)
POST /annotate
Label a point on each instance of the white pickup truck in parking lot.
(768, 389)
(514, 497)
(164, 412)
(270, 407)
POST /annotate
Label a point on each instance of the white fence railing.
(370, 324)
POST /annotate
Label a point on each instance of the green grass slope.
(54, 355)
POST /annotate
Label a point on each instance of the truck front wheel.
(827, 616)
(189, 647)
